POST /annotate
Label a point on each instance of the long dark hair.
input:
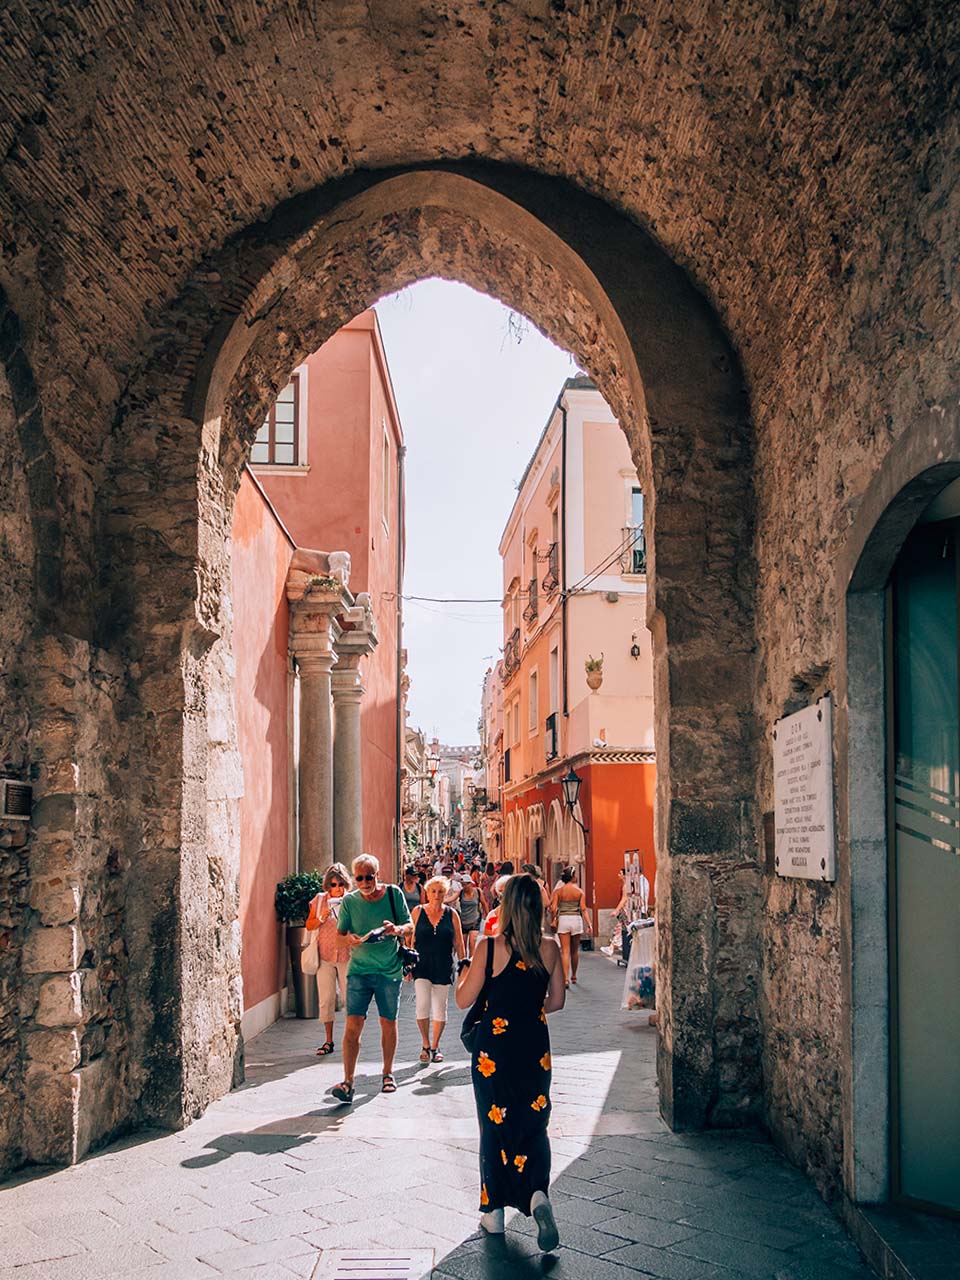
(520, 919)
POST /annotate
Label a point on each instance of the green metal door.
(925, 871)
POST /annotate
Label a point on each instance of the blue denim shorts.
(361, 987)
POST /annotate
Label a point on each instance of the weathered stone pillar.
(316, 595)
(315, 658)
(353, 645)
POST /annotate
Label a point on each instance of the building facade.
(574, 573)
(317, 539)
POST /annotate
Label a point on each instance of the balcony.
(551, 579)
(530, 612)
(511, 654)
(552, 735)
(633, 557)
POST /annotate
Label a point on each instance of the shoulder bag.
(468, 1029)
(310, 949)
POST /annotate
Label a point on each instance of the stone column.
(354, 644)
(315, 658)
(315, 597)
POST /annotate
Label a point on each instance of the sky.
(473, 402)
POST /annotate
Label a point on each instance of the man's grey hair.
(366, 860)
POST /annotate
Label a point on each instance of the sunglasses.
(363, 879)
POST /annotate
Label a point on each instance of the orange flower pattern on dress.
(503, 1155)
(484, 1198)
(486, 1065)
(496, 1114)
(521, 965)
(539, 1104)
(520, 1161)
(499, 1026)
(545, 1062)
(543, 1016)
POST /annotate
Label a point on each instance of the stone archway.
(600, 286)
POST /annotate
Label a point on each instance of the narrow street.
(272, 1179)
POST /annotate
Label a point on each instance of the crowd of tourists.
(507, 945)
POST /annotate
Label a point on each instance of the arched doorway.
(599, 286)
(898, 742)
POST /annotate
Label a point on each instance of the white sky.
(473, 402)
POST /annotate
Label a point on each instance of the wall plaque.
(803, 793)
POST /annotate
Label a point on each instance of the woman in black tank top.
(437, 935)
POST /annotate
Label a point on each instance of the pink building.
(325, 476)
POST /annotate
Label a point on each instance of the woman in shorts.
(568, 910)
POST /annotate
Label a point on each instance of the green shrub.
(294, 894)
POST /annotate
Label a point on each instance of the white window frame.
(554, 678)
(302, 467)
(385, 467)
(533, 702)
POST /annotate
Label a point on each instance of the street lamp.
(571, 785)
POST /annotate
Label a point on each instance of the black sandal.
(325, 1048)
(426, 1053)
(343, 1092)
(437, 1055)
(389, 1084)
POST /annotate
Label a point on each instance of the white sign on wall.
(803, 793)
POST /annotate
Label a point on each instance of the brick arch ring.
(601, 286)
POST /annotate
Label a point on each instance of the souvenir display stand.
(639, 937)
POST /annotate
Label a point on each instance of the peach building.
(574, 573)
(317, 573)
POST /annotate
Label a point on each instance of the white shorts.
(570, 924)
(431, 1000)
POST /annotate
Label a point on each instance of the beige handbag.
(310, 950)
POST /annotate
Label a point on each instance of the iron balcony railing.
(633, 558)
(552, 736)
(511, 653)
(551, 579)
(530, 612)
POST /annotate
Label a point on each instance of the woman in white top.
(568, 910)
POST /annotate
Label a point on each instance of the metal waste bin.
(306, 1001)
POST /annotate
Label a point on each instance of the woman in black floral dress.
(511, 1065)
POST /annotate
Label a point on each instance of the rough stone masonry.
(742, 219)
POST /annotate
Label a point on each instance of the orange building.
(325, 476)
(576, 683)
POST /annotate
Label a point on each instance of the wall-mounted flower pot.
(594, 679)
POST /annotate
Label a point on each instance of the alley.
(273, 1178)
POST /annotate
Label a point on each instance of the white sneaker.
(492, 1222)
(548, 1237)
(607, 951)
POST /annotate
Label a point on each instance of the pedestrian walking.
(469, 908)
(487, 881)
(520, 977)
(568, 910)
(437, 937)
(410, 888)
(372, 919)
(334, 953)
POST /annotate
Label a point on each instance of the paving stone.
(666, 1265)
(639, 1229)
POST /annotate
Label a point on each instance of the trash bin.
(306, 1001)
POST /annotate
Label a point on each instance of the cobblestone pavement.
(274, 1175)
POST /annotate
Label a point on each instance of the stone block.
(55, 813)
(61, 1001)
(55, 899)
(58, 1050)
(49, 1119)
(56, 949)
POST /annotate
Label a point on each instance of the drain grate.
(370, 1263)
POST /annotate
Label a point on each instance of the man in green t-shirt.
(374, 972)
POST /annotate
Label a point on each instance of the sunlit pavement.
(274, 1175)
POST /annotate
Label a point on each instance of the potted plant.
(292, 902)
(594, 669)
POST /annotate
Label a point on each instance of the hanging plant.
(594, 669)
